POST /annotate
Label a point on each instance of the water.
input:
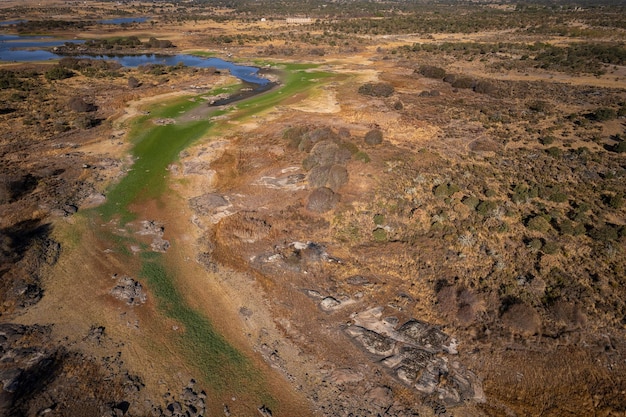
(114, 21)
(28, 48)
(12, 48)
(12, 22)
(244, 73)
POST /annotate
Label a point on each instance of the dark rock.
(265, 411)
(322, 200)
(207, 203)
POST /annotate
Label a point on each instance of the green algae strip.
(222, 366)
(298, 78)
(155, 147)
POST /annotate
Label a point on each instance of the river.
(15, 48)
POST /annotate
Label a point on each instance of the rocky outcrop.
(39, 376)
(420, 355)
(25, 248)
(129, 291)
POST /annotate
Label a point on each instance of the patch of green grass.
(202, 53)
(223, 366)
(175, 107)
(298, 80)
(153, 152)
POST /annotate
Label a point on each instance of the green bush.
(603, 114)
(471, 202)
(58, 73)
(534, 245)
(566, 227)
(380, 235)
(539, 224)
(616, 201)
(604, 233)
(362, 156)
(486, 207)
(550, 248)
(554, 152)
(619, 147)
(441, 190)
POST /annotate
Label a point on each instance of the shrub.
(58, 73)
(546, 140)
(522, 319)
(431, 71)
(553, 151)
(566, 227)
(539, 106)
(550, 248)
(539, 224)
(327, 152)
(615, 201)
(380, 235)
(486, 207)
(471, 202)
(534, 245)
(441, 190)
(450, 78)
(558, 197)
(374, 137)
(603, 114)
(294, 135)
(485, 87)
(604, 233)
(463, 82)
(619, 147)
(362, 156)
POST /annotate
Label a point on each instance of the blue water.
(16, 48)
(120, 20)
(11, 50)
(12, 22)
(114, 21)
(244, 73)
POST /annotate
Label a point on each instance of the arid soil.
(386, 243)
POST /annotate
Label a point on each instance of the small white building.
(299, 20)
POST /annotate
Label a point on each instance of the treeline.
(128, 42)
(31, 26)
